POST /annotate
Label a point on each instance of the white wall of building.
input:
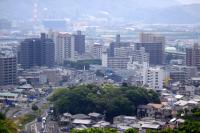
(105, 59)
(155, 78)
(150, 76)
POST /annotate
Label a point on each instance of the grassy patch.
(45, 106)
(27, 118)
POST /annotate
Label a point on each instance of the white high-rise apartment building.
(152, 77)
(155, 78)
(64, 46)
(105, 59)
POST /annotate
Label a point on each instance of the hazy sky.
(189, 1)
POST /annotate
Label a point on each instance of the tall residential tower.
(36, 52)
(64, 46)
(193, 56)
(154, 45)
(8, 68)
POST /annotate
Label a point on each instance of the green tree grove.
(106, 98)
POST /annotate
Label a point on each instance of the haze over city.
(99, 66)
(144, 11)
(189, 1)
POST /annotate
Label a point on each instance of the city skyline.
(106, 66)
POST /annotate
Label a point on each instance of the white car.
(44, 119)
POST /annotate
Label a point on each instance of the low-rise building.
(181, 73)
(157, 111)
(114, 62)
(7, 96)
(124, 119)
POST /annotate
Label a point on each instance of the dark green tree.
(6, 125)
(106, 98)
(95, 130)
(131, 130)
(2, 116)
(34, 107)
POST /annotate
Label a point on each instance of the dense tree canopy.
(95, 130)
(101, 130)
(131, 130)
(6, 125)
(34, 107)
(107, 99)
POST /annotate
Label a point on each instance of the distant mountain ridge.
(147, 11)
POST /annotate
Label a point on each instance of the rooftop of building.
(8, 94)
(170, 49)
(195, 78)
(81, 121)
(151, 126)
(94, 114)
(64, 33)
(157, 106)
(80, 116)
(6, 54)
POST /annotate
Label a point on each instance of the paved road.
(52, 127)
(11, 112)
(15, 113)
(39, 127)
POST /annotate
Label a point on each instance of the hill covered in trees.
(108, 99)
